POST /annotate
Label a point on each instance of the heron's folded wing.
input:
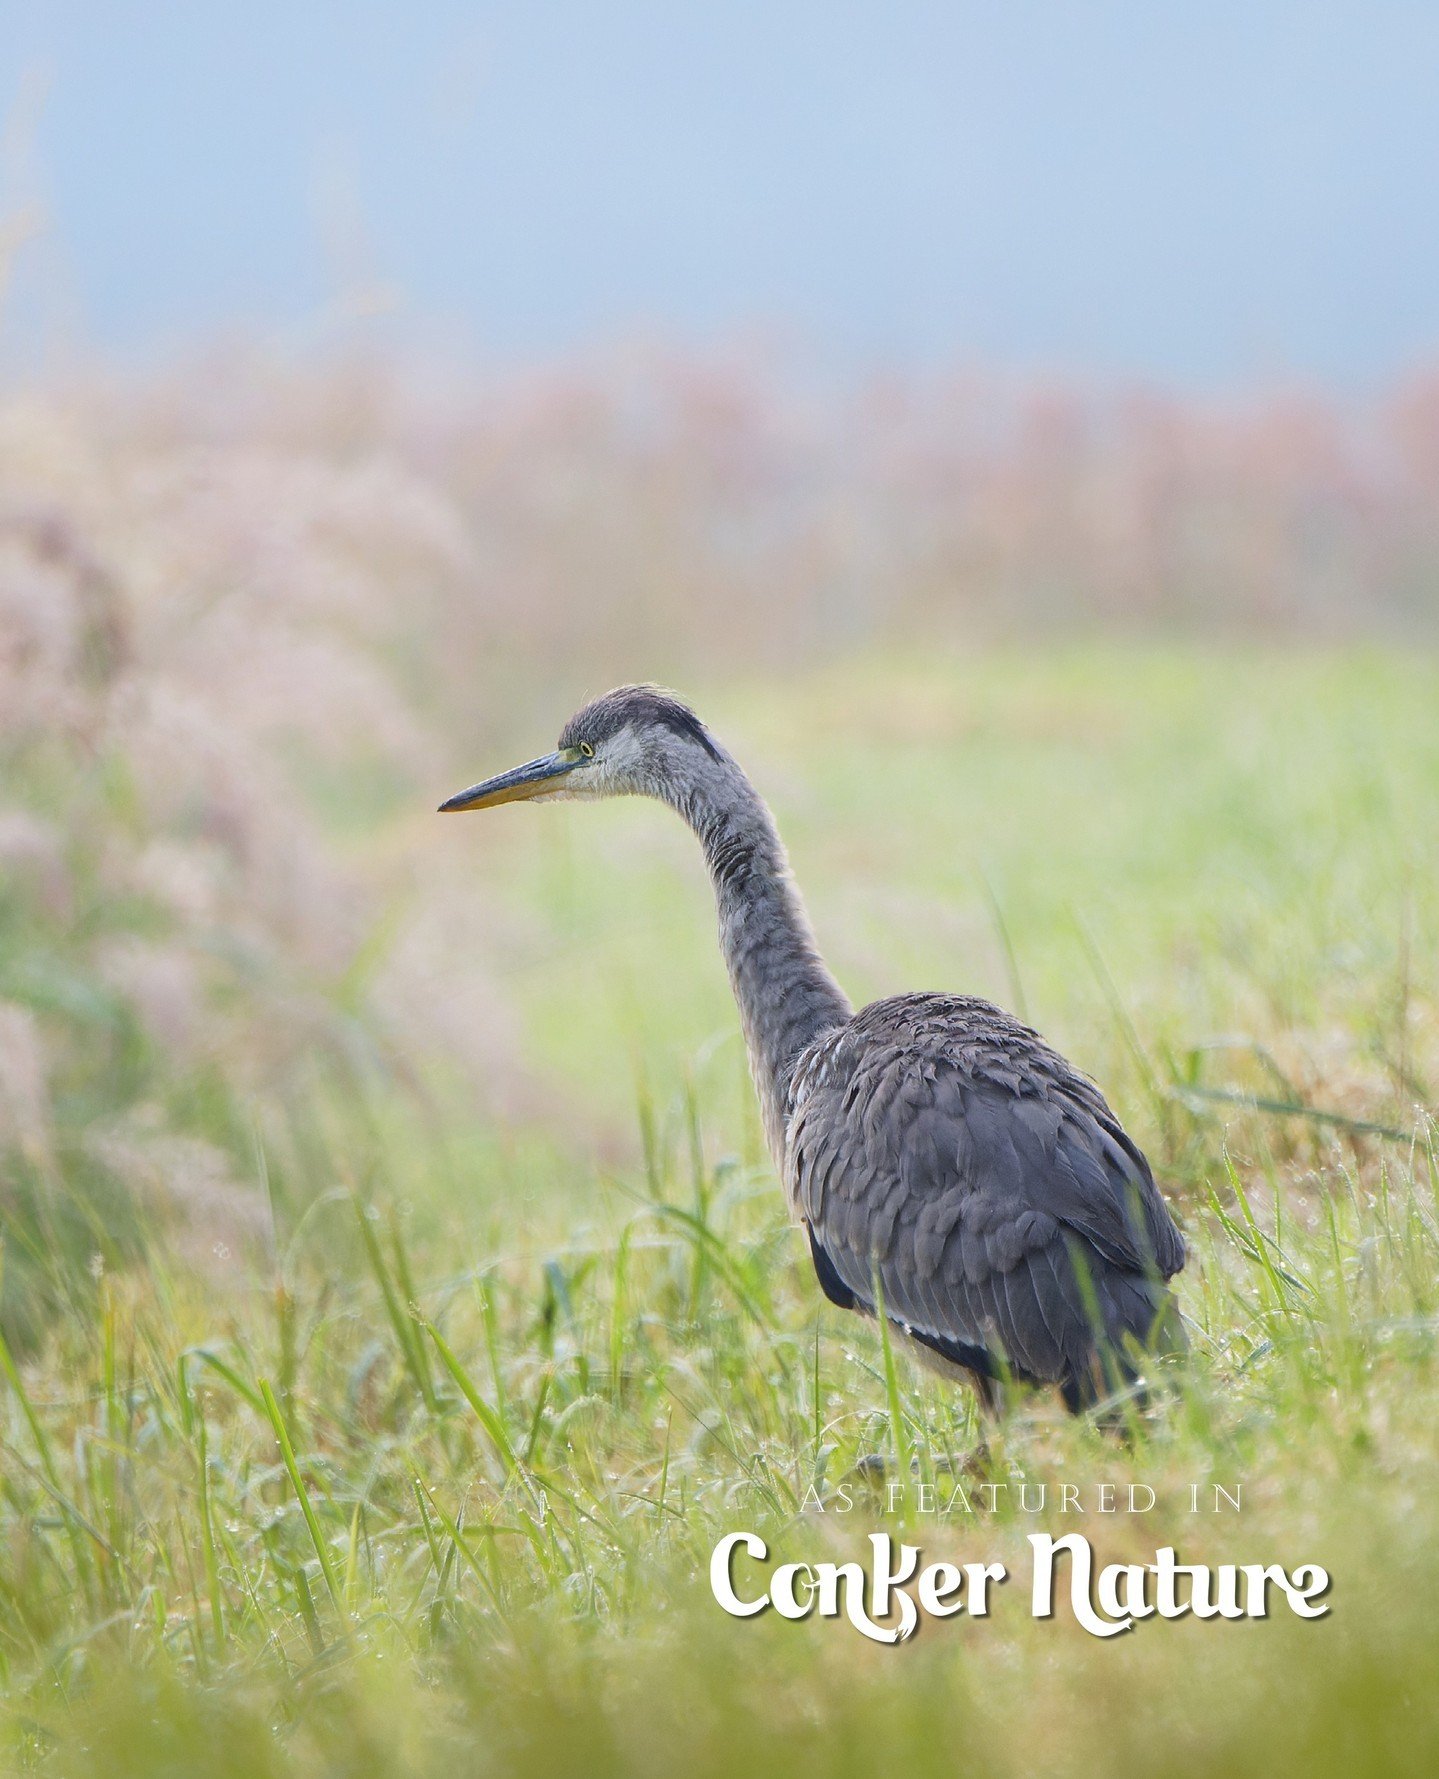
(992, 1217)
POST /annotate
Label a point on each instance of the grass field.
(414, 1462)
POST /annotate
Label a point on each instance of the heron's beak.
(537, 779)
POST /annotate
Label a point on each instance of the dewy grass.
(425, 1475)
(463, 1585)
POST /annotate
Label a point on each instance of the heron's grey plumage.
(941, 1154)
(948, 1166)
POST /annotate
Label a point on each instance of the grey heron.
(951, 1171)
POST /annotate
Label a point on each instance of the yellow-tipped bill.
(539, 778)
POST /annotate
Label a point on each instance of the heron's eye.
(587, 750)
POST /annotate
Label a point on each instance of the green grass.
(435, 1488)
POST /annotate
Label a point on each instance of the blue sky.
(1198, 192)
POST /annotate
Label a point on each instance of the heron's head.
(635, 741)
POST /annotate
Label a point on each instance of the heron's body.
(941, 1151)
(951, 1171)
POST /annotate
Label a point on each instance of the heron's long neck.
(785, 993)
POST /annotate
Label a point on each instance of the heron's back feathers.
(941, 1153)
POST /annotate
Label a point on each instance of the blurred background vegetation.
(254, 623)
